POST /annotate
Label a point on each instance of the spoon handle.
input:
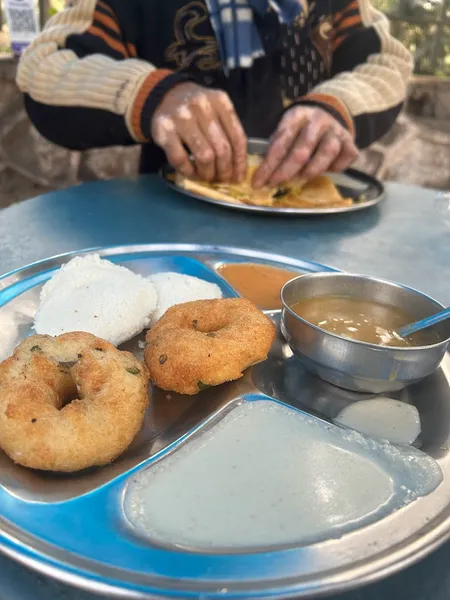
(424, 323)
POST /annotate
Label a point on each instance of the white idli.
(175, 288)
(94, 295)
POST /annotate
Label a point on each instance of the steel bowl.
(355, 365)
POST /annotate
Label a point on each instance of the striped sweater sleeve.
(84, 86)
(369, 74)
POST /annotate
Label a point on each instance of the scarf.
(235, 25)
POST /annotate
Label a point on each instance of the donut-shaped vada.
(70, 402)
(206, 342)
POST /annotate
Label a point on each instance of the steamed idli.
(175, 288)
(94, 295)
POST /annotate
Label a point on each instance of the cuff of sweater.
(333, 105)
(148, 98)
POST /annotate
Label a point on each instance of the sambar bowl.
(355, 365)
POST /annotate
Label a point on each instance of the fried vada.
(205, 343)
(70, 402)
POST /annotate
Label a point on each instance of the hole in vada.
(69, 397)
(68, 390)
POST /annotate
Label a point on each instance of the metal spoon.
(423, 323)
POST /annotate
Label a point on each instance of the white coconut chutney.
(267, 475)
(382, 418)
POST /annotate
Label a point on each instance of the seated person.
(320, 78)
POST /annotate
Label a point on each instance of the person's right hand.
(206, 122)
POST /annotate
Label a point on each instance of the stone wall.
(30, 165)
(417, 150)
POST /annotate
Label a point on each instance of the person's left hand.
(307, 142)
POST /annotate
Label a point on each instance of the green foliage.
(424, 27)
(56, 5)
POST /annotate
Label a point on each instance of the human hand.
(307, 142)
(206, 122)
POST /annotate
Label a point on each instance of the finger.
(223, 151)
(178, 157)
(164, 135)
(235, 133)
(349, 153)
(216, 137)
(301, 152)
(202, 153)
(326, 153)
(279, 149)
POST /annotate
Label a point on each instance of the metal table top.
(404, 238)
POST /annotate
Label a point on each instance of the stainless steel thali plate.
(365, 189)
(373, 194)
(73, 527)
